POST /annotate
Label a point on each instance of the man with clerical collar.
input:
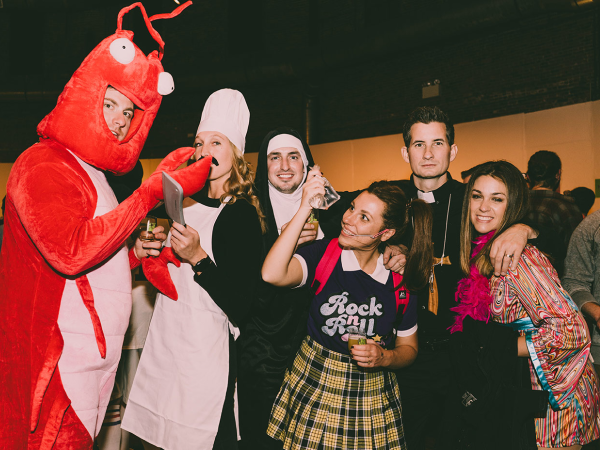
(424, 386)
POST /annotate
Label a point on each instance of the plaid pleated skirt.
(328, 402)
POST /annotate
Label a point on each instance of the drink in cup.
(314, 218)
(146, 226)
(356, 336)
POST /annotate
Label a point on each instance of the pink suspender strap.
(330, 259)
(326, 265)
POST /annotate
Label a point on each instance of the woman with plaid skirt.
(333, 397)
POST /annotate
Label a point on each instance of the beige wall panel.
(4, 172)
(484, 140)
(558, 125)
(252, 158)
(337, 162)
(377, 159)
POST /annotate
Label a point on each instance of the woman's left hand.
(185, 242)
(368, 355)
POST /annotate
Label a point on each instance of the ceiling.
(263, 47)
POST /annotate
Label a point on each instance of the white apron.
(87, 378)
(179, 388)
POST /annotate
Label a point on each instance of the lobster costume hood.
(65, 284)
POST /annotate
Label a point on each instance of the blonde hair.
(240, 184)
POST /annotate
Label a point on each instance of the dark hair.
(542, 170)
(584, 198)
(517, 204)
(396, 215)
(465, 173)
(427, 114)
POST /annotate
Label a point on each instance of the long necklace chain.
(446, 230)
(441, 262)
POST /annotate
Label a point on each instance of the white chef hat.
(226, 111)
(285, 141)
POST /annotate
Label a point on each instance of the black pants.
(424, 388)
(227, 434)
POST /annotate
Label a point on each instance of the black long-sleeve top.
(233, 280)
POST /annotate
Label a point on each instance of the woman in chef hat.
(183, 393)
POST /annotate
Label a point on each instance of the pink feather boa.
(473, 292)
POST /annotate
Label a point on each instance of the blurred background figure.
(582, 276)
(548, 208)
(584, 198)
(466, 174)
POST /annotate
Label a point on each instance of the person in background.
(338, 397)
(466, 174)
(530, 299)
(183, 391)
(582, 276)
(584, 198)
(550, 209)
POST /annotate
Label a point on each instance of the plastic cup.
(145, 227)
(356, 336)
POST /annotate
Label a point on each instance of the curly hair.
(240, 185)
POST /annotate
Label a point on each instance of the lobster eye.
(122, 50)
(165, 83)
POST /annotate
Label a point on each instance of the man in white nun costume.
(277, 323)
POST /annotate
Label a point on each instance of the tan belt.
(433, 289)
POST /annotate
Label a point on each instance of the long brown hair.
(240, 185)
(396, 216)
(517, 204)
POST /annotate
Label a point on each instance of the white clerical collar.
(427, 197)
(350, 263)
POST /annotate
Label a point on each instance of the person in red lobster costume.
(65, 280)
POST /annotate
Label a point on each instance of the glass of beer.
(356, 336)
(145, 228)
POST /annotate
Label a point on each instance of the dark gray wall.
(363, 62)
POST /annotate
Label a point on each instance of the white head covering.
(287, 141)
(226, 111)
(286, 205)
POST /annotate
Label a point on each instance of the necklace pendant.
(431, 280)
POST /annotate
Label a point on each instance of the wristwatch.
(203, 265)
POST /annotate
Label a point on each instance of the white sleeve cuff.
(405, 333)
(304, 269)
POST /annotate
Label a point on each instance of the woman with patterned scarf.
(529, 299)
